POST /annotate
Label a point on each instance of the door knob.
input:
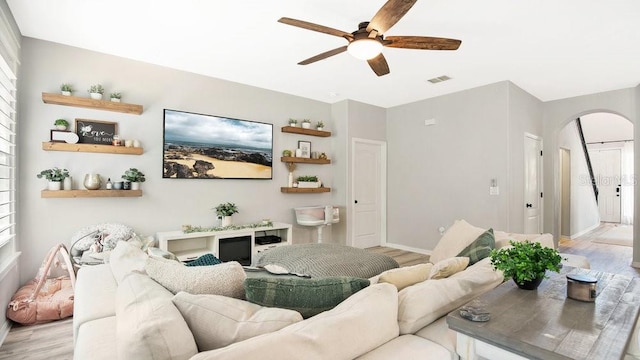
(356, 201)
(529, 205)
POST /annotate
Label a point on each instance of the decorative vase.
(135, 185)
(67, 183)
(226, 221)
(95, 96)
(290, 182)
(66, 93)
(529, 284)
(126, 185)
(55, 185)
(92, 181)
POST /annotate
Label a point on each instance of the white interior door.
(369, 172)
(532, 184)
(606, 169)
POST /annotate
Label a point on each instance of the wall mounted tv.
(199, 146)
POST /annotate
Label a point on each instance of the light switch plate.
(494, 190)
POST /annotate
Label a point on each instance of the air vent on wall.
(438, 79)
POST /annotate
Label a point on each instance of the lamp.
(365, 49)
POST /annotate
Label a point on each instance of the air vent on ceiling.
(438, 79)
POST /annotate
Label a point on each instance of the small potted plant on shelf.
(525, 262)
(320, 125)
(61, 124)
(308, 182)
(293, 122)
(225, 211)
(116, 96)
(306, 123)
(96, 91)
(55, 177)
(66, 89)
(134, 177)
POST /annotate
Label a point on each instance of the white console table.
(188, 246)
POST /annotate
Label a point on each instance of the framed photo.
(95, 131)
(305, 147)
(60, 135)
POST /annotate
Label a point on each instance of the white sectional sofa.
(122, 313)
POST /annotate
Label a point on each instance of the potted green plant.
(306, 123)
(293, 122)
(134, 177)
(307, 181)
(225, 211)
(66, 89)
(320, 125)
(115, 96)
(525, 262)
(96, 91)
(61, 124)
(55, 176)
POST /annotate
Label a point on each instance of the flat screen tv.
(199, 146)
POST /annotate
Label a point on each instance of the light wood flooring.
(54, 340)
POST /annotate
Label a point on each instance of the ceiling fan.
(367, 42)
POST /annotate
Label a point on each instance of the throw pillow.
(205, 260)
(223, 279)
(457, 237)
(306, 296)
(406, 276)
(480, 248)
(126, 258)
(217, 321)
(448, 267)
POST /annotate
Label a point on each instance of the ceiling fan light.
(365, 49)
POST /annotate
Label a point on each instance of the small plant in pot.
(66, 89)
(293, 122)
(61, 124)
(225, 211)
(307, 181)
(134, 177)
(55, 176)
(116, 96)
(96, 91)
(320, 125)
(306, 123)
(525, 262)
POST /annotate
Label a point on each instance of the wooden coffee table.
(545, 324)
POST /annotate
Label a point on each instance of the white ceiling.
(552, 49)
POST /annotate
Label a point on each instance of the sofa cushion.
(223, 279)
(126, 258)
(421, 304)
(439, 332)
(447, 267)
(457, 237)
(406, 276)
(480, 248)
(94, 295)
(217, 321)
(149, 326)
(358, 325)
(96, 340)
(407, 347)
(306, 296)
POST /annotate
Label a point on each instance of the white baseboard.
(585, 231)
(635, 264)
(408, 248)
(4, 330)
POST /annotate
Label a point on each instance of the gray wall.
(166, 203)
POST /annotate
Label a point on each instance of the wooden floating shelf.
(89, 193)
(304, 160)
(303, 131)
(304, 190)
(59, 99)
(91, 148)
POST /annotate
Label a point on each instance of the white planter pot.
(293, 125)
(306, 125)
(320, 128)
(115, 100)
(66, 93)
(55, 185)
(135, 186)
(60, 127)
(226, 221)
(308, 184)
(95, 96)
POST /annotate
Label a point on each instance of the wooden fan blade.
(379, 65)
(315, 27)
(389, 14)
(324, 55)
(422, 43)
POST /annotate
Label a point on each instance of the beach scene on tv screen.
(214, 147)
